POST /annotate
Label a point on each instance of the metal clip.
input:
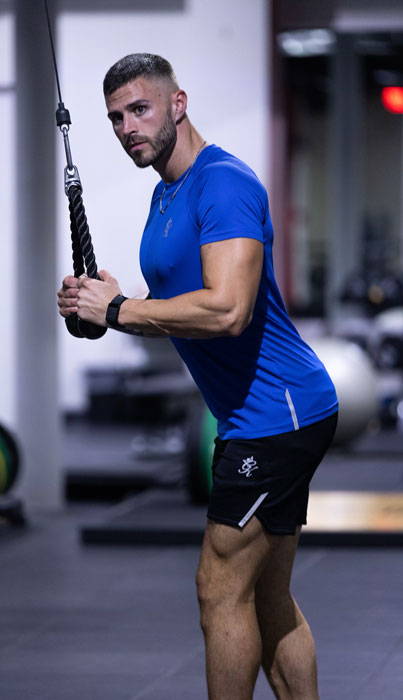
(65, 129)
(71, 179)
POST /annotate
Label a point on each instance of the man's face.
(141, 113)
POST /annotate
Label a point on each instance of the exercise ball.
(354, 378)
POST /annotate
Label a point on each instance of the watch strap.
(112, 312)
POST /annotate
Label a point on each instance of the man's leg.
(288, 650)
(232, 562)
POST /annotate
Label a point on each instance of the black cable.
(53, 51)
(83, 251)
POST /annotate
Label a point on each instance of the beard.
(161, 144)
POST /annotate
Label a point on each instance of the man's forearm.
(199, 314)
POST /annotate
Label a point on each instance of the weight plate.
(9, 460)
(202, 429)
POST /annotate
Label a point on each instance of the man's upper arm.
(232, 269)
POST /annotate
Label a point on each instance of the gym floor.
(121, 623)
(103, 622)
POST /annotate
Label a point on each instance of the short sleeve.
(231, 203)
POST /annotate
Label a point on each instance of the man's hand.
(89, 298)
(68, 296)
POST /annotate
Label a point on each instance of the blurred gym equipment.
(11, 508)
(147, 421)
(378, 283)
(202, 429)
(9, 460)
(382, 338)
(355, 380)
(386, 343)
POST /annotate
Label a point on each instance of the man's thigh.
(233, 560)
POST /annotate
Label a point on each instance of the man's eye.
(140, 109)
(116, 119)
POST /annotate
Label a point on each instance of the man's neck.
(187, 145)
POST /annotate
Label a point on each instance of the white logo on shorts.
(249, 464)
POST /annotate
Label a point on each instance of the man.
(206, 256)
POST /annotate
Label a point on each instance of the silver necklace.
(180, 184)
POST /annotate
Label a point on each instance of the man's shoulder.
(224, 186)
(221, 167)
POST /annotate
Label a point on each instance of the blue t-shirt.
(266, 380)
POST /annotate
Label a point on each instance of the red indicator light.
(392, 99)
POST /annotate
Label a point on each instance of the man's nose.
(129, 124)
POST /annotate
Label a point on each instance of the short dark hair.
(135, 65)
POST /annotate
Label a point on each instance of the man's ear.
(180, 105)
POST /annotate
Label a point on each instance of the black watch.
(112, 312)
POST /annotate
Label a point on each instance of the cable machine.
(84, 261)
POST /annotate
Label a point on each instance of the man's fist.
(68, 296)
(87, 297)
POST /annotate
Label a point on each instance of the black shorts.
(268, 477)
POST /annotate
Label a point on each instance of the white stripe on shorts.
(292, 410)
(252, 510)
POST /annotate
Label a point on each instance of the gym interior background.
(311, 96)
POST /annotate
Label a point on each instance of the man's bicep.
(233, 268)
